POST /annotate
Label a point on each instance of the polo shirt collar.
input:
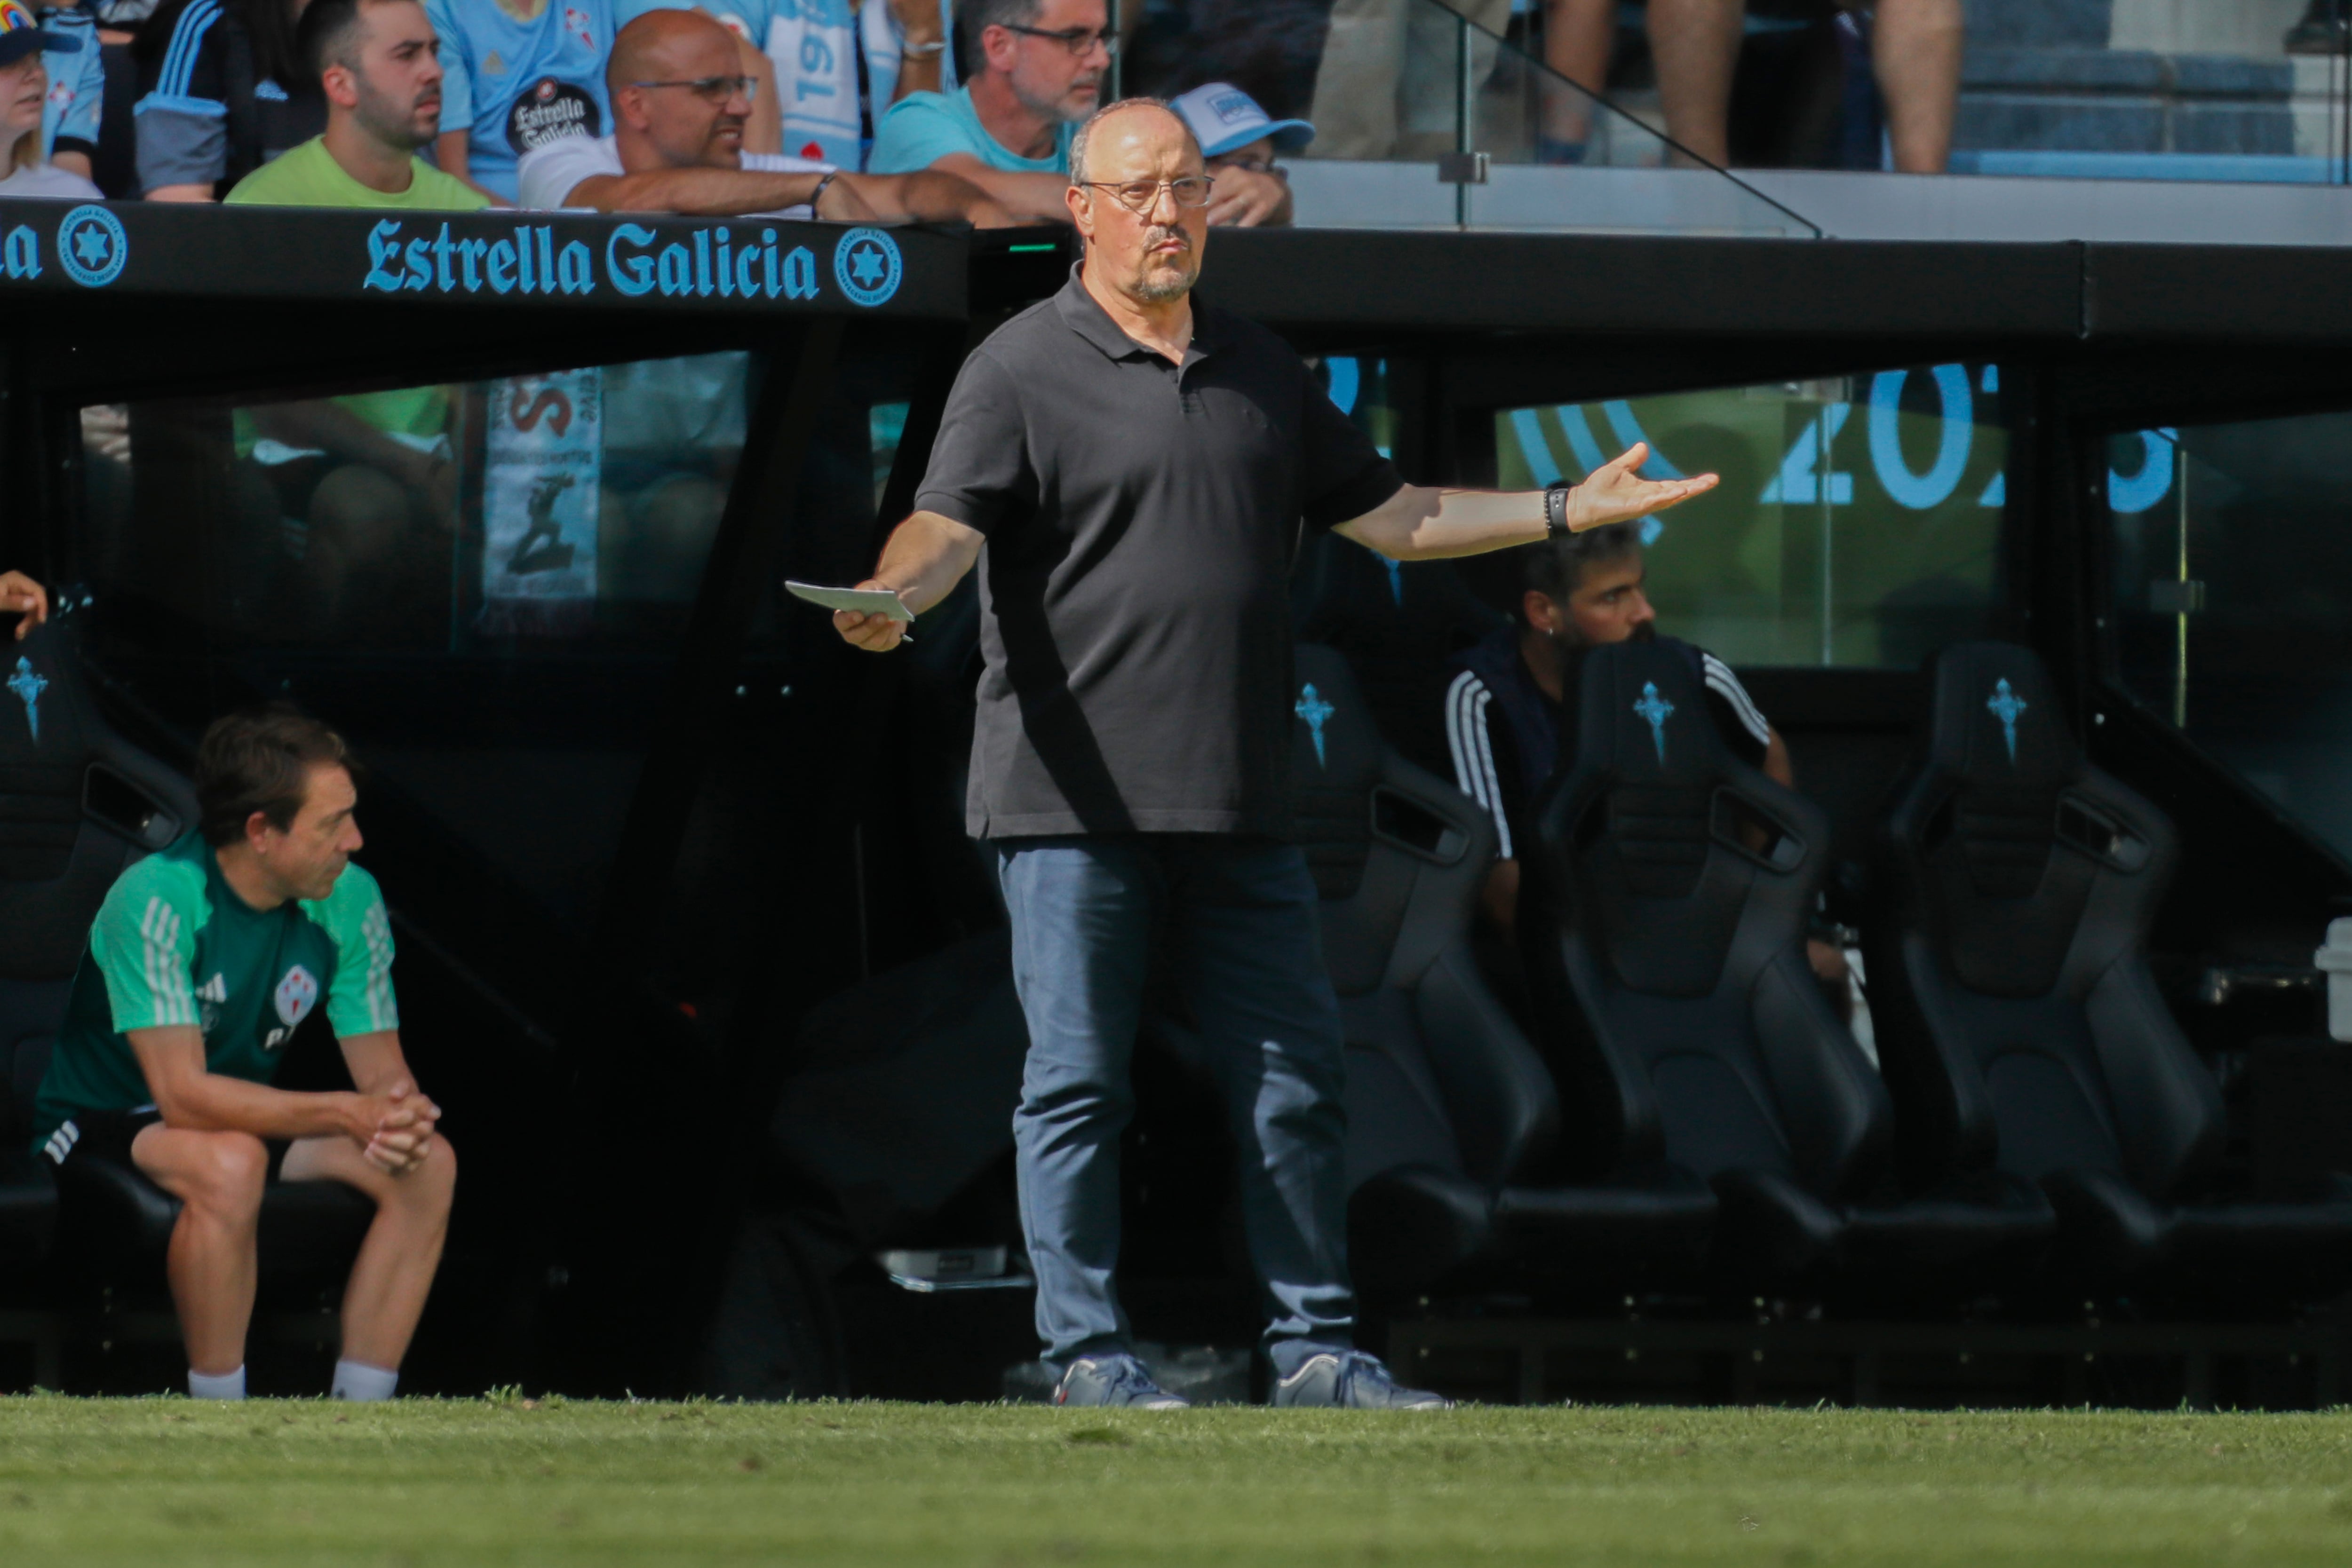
(1084, 314)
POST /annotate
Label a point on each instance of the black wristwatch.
(1556, 507)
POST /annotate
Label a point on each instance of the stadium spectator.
(375, 61)
(203, 962)
(680, 111)
(76, 96)
(1506, 710)
(909, 46)
(1388, 66)
(223, 91)
(1038, 69)
(519, 75)
(1915, 53)
(815, 64)
(28, 601)
(25, 47)
(366, 482)
(1130, 467)
(1239, 140)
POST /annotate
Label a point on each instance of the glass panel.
(481, 582)
(1358, 385)
(1858, 522)
(1391, 89)
(2232, 609)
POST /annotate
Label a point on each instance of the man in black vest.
(1137, 462)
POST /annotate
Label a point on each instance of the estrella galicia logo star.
(91, 245)
(866, 264)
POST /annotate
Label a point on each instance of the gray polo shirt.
(1141, 519)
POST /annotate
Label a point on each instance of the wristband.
(818, 195)
(923, 51)
(1556, 509)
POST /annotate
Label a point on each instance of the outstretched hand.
(1616, 493)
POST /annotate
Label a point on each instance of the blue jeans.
(1237, 917)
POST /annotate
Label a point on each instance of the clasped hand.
(399, 1127)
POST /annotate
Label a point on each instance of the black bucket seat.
(1453, 1124)
(1662, 921)
(2019, 1024)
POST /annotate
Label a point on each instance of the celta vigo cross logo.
(28, 684)
(1656, 710)
(866, 264)
(2007, 706)
(1317, 713)
(92, 246)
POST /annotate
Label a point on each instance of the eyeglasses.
(1140, 196)
(713, 90)
(1079, 41)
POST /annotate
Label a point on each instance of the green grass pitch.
(167, 1483)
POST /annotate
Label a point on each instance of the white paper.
(863, 601)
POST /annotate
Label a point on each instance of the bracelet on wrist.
(1556, 509)
(818, 195)
(923, 51)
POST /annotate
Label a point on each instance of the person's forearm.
(1020, 193)
(917, 73)
(375, 1061)
(179, 194)
(1421, 522)
(71, 162)
(926, 557)
(925, 196)
(211, 1102)
(695, 193)
(337, 430)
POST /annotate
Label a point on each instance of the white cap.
(1224, 117)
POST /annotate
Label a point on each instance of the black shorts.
(108, 1134)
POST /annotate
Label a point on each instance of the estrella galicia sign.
(91, 245)
(866, 264)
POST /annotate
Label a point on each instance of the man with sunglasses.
(679, 109)
(1129, 468)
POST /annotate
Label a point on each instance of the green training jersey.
(174, 944)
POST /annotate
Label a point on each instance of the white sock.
(226, 1386)
(356, 1380)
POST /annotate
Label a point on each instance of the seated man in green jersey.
(201, 963)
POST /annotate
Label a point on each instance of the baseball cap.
(21, 33)
(1224, 117)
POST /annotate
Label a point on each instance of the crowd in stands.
(787, 107)
(851, 110)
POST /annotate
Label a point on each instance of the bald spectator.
(680, 104)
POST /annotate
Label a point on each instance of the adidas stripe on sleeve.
(1726, 687)
(360, 1000)
(1467, 732)
(144, 943)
